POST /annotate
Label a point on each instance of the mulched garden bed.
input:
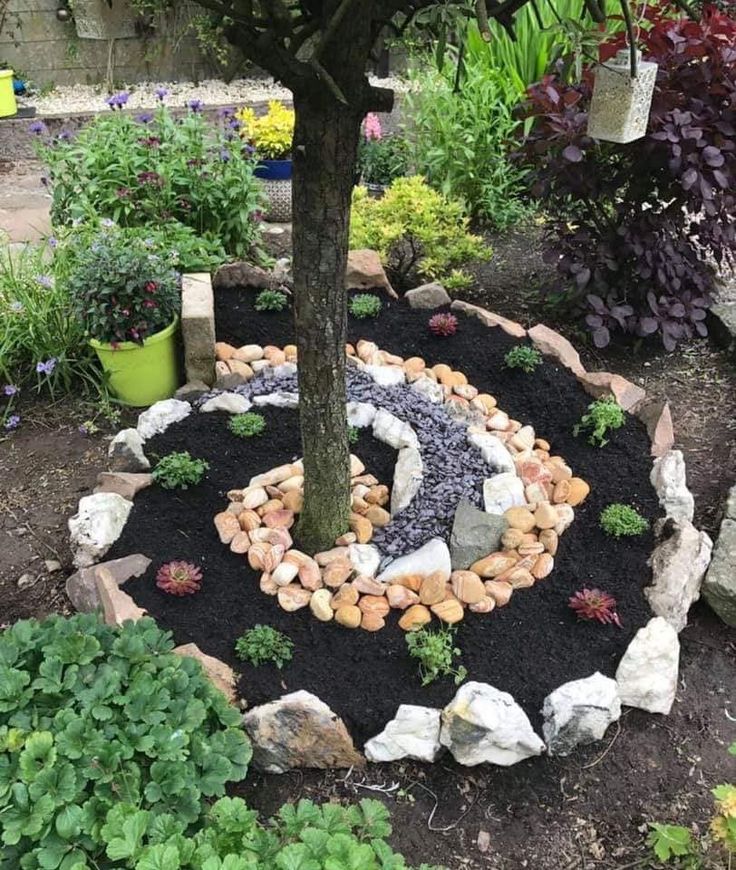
(527, 648)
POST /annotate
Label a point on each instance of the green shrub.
(179, 470)
(435, 651)
(98, 724)
(353, 434)
(621, 520)
(381, 158)
(262, 644)
(247, 425)
(365, 305)
(415, 229)
(603, 416)
(271, 300)
(162, 168)
(523, 357)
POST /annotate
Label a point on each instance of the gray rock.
(719, 586)
(27, 580)
(96, 526)
(731, 504)
(408, 475)
(431, 295)
(126, 452)
(192, 391)
(81, 587)
(669, 481)
(160, 416)
(413, 733)
(579, 712)
(231, 403)
(241, 274)
(678, 566)
(299, 730)
(475, 534)
(482, 724)
(647, 674)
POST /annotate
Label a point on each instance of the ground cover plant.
(435, 651)
(622, 520)
(247, 425)
(603, 416)
(271, 300)
(153, 168)
(263, 644)
(179, 470)
(634, 229)
(97, 723)
(523, 357)
(365, 305)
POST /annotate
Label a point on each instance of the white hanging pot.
(619, 111)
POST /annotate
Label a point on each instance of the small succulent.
(622, 520)
(271, 300)
(523, 357)
(595, 605)
(443, 325)
(179, 578)
(365, 305)
(603, 415)
(247, 425)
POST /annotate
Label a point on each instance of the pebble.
(273, 504)
(293, 597)
(372, 622)
(378, 516)
(362, 527)
(310, 575)
(320, 605)
(52, 566)
(337, 572)
(284, 573)
(399, 597)
(349, 616)
(520, 518)
(369, 586)
(512, 538)
(240, 543)
(279, 519)
(449, 611)
(346, 595)
(550, 539)
(376, 604)
(494, 565)
(565, 516)
(327, 556)
(249, 520)
(467, 586)
(543, 566)
(254, 497)
(500, 591)
(227, 526)
(415, 617)
(432, 589)
(545, 517)
(485, 605)
(25, 581)
(579, 491)
(267, 584)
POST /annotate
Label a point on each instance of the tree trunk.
(324, 152)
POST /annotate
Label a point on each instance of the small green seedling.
(353, 434)
(179, 470)
(247, 425)
(365, 305)
(621, 520)
(271, 300)
(523, 357)
(603, 416)
(671, 842)
(263, 644)
(435, 651)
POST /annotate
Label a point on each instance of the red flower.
(179, 578)
(443, 324)
(151, 287)
(593, 604)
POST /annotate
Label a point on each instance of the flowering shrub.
(635, 227)
(381, 158)
(156, 168)
(270, 134)
(121, 289)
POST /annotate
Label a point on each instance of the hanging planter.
(619, 110)
(104, 19)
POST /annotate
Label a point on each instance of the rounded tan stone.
(550, 540)
(257, 556)
(291, 352)
(240, 543)
(273, 557)
(521, 578)
(320, 605)
(291, 484)
(453, 379)
(559, 470)
(542, 444)
(579, 491)
(368, 586)
(293, 501)
(337, 572)
(432, 589)
(533, 471)
(494, 564)
(235, 507)
(284, 573)
(449, 611)
(267, 584)
(497, 420)
(488, 401)
(414, 364)
(275, 356)
(512, 538)
(359, 506)
(465, 391)
(378, 516)
(249, 520)
(441, 370)
(273, 504)
(347, 594)
(309, 574)
(346, 539)
(565, 516)
(227, 526)
(500, 591)
(223, 351)
(349, 616)
(561, 492)
(279, 519)
(254, 497)
(531, 549)
(248, 353)
(377, 604)
(485, 605)
(545, 516)
(372, 622)
(520, 518)
(415, 617)
(293, 597)
(467, 586)
(399, 597)
(327, 556)
(536, 493)
(362, 527)
(236, 367)
(543, 566)
(297, 557)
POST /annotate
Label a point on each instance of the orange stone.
(400, 597)
(415, 617)
(432, 590)
(450, 611)
(500, 591)
(376, 604)
(372, 622)
(579, 491)
(227, 526)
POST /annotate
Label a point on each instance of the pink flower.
(372, 127)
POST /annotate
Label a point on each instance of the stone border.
(576, 713)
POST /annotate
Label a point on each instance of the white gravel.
(72, 99)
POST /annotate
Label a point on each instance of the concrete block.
(198, 327)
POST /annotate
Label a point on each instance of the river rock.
(386, 376)
(81, 587)
(579, 712)
(503, 491)
(647, 673)
(298, 730)
(475, 534)
(408, 475)
(431, 295)
(279, 399)
(126, 452)
(231, 403)
(413, 733)
(160, 416)
(482, 724)
(669, 481)
(494, 451)
(365, 558)
(96, 526)
(433, 556)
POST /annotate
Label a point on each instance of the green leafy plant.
(98, 724)
(603, 416)
(415, 229)
(622, 520)
(365, 305)
(271, 300)
(179, 470)
(247, 425)
(523, 357)
(381, 158)
(435, 651)
(353, 434)
(263, 644)
(271, 134)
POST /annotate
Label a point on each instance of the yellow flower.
(272, 133)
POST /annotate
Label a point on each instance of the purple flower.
(144, 118)
(224, 155)
(117, 101)
(161, 94)
(53, 243)
(45, 281)
(46, 368)
(234, 124)
(107, 222)
(12, 422)
(195, 105)
(65, 136)
(225, 113)
(11, 390)
(249, 150)
(38, 128)
(83, 430)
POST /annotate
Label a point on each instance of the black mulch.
(527, 648)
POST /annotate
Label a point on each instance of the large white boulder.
(503, 491)
(279, 399)
(231, 403)
(482, 724)
(493, 450)
(126, 452)
(647, 673)
(413, 733)
(669, 481)
(386, 376)
(96, 526)
(396, 433)
(432, 556)
(579, 712)
(360, 414)
(408, 474)
(160, 416)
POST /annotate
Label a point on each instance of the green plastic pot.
(138, 374)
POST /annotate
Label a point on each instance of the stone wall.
(49, 52)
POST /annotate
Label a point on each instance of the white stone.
(482, 724)
(283, 369)
(579, 712)
(280, 399)
(392, 431)
(386, 376)
(360, 414)
(160, 416)
(96, 526)
(232, 403)
(431, 390)
(408, 474)
(365, 558)
(413, 733)
(502, 492)
(494, 451)
(647, 673)
(126, 452)
(669, 481)
(432, 556)
(678, 565)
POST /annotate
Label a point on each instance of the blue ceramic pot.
(273, 170)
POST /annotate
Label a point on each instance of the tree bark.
(324, 154)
